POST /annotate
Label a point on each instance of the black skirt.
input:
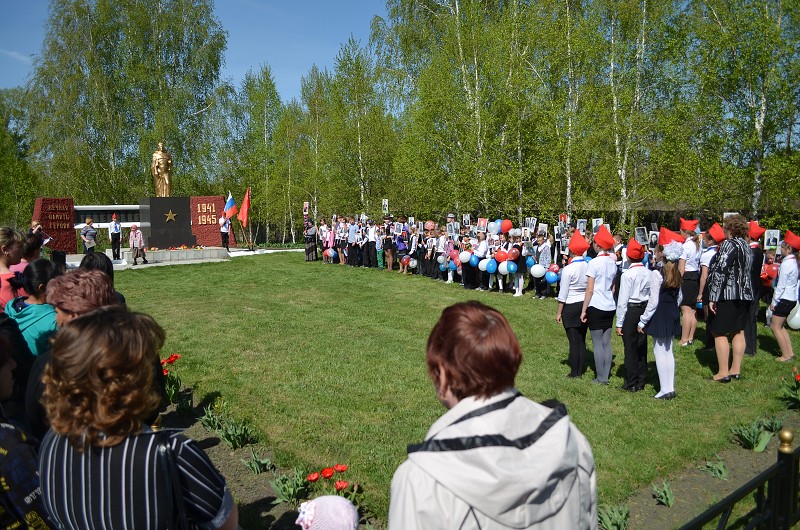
(571, 315)
(731, 316)
(783, 308)
(599, 319)
(690, 288)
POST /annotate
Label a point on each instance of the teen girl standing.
(689, 265)
(661, 318)
(571, 294)
(598, 303)
(714, 236)
(785, 296)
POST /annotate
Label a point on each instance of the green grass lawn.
(327, 362)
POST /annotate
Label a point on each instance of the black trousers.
(468, 273)
(352, 254)
(115, 245)
(635, 344)
(542, 287)
(371, 256)
(577, 350)
(750, 331)
(225, 240)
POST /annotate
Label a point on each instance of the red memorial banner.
(57, 216)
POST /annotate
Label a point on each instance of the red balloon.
(772, 270)
(554, 268)
(506, 225)
(406, 260)
(500, 256)
(430, 225)
(513, 254)
(454, 255)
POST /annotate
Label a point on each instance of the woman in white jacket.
(495, 459)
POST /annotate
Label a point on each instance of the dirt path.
(695, 490)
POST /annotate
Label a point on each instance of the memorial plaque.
(206, 211)
(167, 222)
(57, 216)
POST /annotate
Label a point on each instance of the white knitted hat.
(330, 512)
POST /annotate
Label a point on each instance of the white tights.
(665, 363)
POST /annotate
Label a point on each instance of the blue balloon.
(551, 277)
(646, 258)
(442, 267)
(452, 265)
(530, 262)
(699, 305)
(499, 222)
(335, 255)
(491, 267)
(512, 267)
(587, 259)
(474, 260)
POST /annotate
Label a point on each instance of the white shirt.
(224, 224)
(691, 255)
(482, 249)
(114, 228)
(786, 288)
(634, 288)
(707, 256)
(572, 288)
(603, 269)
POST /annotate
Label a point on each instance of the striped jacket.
(729, 275)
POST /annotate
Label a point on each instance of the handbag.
(166, 459)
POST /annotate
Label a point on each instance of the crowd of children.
(653, 286)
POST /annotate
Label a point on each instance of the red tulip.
(313, 477)
(166, 371)
(340, 485)
(327, 472)
(797, 378)
(340, 468)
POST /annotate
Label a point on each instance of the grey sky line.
(290, 37)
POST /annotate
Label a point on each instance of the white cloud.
(27, 59)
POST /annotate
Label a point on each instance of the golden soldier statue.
(162, 170)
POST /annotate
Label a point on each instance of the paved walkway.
(74, 260)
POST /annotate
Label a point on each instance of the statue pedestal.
(166, 222)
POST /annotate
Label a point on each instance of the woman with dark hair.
(98, 261)
(729, 294)
(310, 235)
(784, 297)
(495, 459)
(31, 250)
(34, 316)
(98, 391)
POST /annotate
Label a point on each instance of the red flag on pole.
(244, 211)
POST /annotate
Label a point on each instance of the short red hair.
(476, 347)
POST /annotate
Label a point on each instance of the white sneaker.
(449, 281)
(517, 294)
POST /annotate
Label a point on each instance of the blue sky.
(288, 36)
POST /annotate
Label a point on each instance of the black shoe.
(144, 261)
(667, 396)
(134, 262)
(726, 379)
(735, 376)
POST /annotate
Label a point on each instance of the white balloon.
(412, 263)
(793, 320)
(537, 271)
(464, 256)
(482, 264)
(440, 259)
(493, 228)
(502, 268)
